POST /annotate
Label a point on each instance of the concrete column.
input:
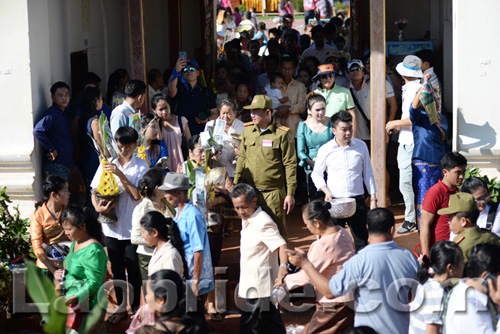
(16, 168)
(138, 44)
(378, 103)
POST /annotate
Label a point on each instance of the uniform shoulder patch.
(460, 240)
(247, 123)
(282, 127)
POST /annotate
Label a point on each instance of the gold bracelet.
(195, 282)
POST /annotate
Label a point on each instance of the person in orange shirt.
(45, 227)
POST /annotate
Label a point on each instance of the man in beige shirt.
(289, 113)
(259, 245)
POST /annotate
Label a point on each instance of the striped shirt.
(427, 307)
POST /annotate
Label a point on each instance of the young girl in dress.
(173, 129)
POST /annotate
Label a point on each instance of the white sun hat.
(410, 67)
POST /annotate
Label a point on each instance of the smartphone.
(183, 55)
(484, 282)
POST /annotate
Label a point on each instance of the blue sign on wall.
(404, 48)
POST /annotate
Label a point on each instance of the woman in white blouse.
(152, 200)
(233, 126)
(163, 234)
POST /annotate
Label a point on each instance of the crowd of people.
(299, 109)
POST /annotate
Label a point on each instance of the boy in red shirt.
(434, 227)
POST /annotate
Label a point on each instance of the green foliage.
(52, 307)
(43, 293)
(5, 286)
(493, 185)
(15, 241)
(298, 5)
(242, 8)
(339, 5)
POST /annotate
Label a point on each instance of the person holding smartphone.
(190, 98)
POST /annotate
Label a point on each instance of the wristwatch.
(195, 282)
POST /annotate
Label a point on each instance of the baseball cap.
(324, 69)
(175, 181)
(260, 102)
(355, 62)
(192, 62)
(459, 202)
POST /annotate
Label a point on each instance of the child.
(53, 133)
(128, 170)
(446, 261)
(305, 76)
(274, 90)
(237, 16)
(261, 246)
(253, 11)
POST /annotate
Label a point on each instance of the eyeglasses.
(326, 76)
(483, 200)
(356, 69)
(188, 69)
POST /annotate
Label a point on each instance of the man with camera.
(190, 98)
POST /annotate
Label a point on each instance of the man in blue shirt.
(136, 95)
(193, 231)
(53, 132)
(380, 275)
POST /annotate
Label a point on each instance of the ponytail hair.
(168, 230)
(318, 210)
(442, 253)
(152, 179)
(78, 216)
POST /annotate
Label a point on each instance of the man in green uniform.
(463, 213)
(268, 162)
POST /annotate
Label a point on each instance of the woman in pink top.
(327, 254)
(173, 129)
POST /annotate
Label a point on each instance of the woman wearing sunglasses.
(337, 98)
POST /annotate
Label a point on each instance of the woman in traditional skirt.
(327, 254)
(431, 145)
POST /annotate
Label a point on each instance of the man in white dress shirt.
(347, 163)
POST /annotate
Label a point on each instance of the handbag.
(74, 315)
(361, 111)
(301, 295)
(184, 146)
(305, 294)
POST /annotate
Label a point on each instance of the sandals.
(216, 317)
(115, 318)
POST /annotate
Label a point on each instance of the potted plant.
(15, 246)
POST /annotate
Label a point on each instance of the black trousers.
(308, 14)
(123, 255)
(263, 318)
(357, 223)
